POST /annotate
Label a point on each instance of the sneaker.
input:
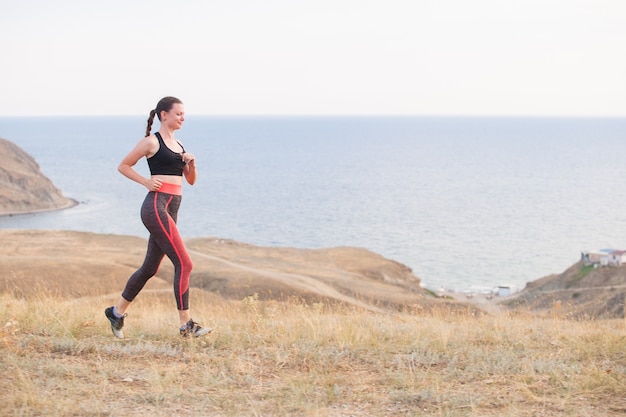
(116, 322)
(193, 328)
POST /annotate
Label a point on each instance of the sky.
(314, 57)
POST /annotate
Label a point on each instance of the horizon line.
(346, 115)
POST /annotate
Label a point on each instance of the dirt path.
(298, 281)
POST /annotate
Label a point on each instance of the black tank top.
(166, 161)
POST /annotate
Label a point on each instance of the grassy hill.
(338, 332)
(84, 264)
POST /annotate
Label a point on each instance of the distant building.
(603, 257)
(504, 291)
(615, 258)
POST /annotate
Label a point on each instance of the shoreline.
(68, 205)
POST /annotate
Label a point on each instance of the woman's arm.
(190, 168)
(143, 148)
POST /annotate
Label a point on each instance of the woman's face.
(175, 117)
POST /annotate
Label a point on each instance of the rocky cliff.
(23, 187)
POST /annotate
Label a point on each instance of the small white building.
(603, 257)
(504, 290)
(616, 257)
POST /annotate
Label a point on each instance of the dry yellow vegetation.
(346, 334)
(292, 358)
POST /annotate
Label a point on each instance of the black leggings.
(159, 213)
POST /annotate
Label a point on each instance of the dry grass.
(295, 359)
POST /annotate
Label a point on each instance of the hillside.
(295, 333)
(580, 292)
(23, 187)
(77, 264)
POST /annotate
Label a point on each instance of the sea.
(468, 203)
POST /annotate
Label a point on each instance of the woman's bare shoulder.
(149, 141)
(150, 144)
(146, 146)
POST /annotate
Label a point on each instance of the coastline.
(70, 202)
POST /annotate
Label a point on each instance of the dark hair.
(165, 104)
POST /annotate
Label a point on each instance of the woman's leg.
(172, 244)
(159, 214)
(160, 219)
(136, 282)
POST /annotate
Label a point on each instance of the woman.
(168, 163)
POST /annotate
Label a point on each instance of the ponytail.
(150, 120)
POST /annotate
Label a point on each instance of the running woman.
(168, 162)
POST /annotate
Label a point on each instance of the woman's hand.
(153, 184)
(189, 159)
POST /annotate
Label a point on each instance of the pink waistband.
(174, 189)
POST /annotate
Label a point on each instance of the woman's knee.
(148, 271)
(187, 264)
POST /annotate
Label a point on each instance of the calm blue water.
(462, 201)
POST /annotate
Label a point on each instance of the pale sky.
(314, 57)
